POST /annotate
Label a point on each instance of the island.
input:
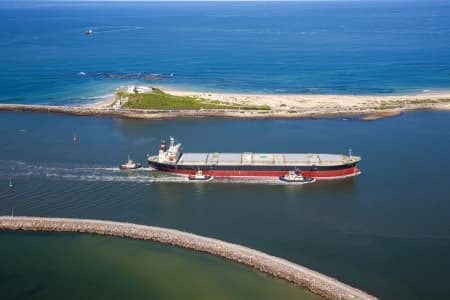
(143, 102)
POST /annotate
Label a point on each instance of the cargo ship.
(248, 164)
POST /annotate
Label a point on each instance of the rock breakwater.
(317, 283)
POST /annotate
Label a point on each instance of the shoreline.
(366, 107)
(317, 283)
(283, 106)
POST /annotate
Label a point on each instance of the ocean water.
(356, 47)
(386, 231)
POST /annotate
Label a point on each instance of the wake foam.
(21, 169)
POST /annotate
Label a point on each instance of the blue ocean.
(386, 231)
(355, 47)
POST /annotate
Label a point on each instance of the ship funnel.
(163, 145)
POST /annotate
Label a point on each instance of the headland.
(315, 282)
(154, 103)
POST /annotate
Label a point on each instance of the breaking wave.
(97, 97)
(106, 29)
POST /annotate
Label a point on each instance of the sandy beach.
(282, 106)
(382, 105)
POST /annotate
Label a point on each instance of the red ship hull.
(318, 174)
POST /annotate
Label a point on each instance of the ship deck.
(266, 159)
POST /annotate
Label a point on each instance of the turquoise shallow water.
(69, 266)
(386, 231)
(348, 47)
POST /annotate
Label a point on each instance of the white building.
(139, 89)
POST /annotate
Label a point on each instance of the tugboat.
(130, 165)
(89, 32)
(199, 176)
(296, 177)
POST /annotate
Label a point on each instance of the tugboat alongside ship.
(130, 165)
(296, 177)
(287, 167)
(199, 176)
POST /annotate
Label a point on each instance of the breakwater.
(370, 113)
(152, 113)
(171, 113)
(317, 283)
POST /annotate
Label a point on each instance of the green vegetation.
(428, 101)
(400, 103)
(424, 101)
(161, 100)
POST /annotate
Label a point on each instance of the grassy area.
(422, 101)
(161, 100)
(428, 101)
(400, 103)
